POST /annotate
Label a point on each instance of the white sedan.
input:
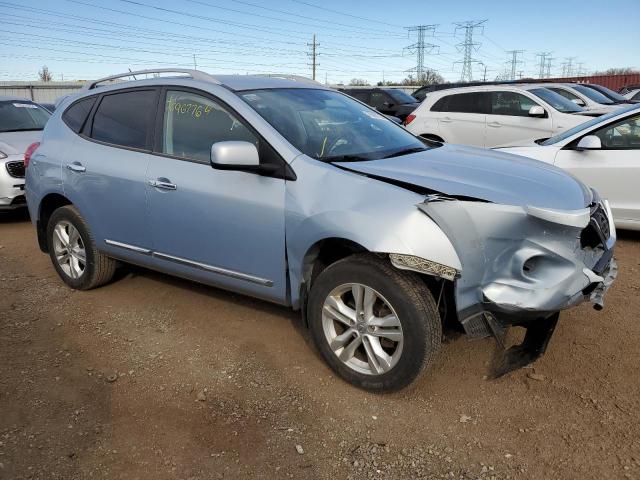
(604, 153)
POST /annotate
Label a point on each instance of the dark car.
(610, 94)
(390, 101)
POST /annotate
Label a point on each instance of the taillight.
(27, 155)
(410, 118)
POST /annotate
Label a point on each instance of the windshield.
(587, 125)
(19, 115)
(331, 126)
(607, 92)
(556, 100)
(401, 96)
(594, 95)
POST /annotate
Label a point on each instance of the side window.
(473, 102)
(77, 114)
(192, 123)
(623, 135)
(378, 99)
(566, 94)
(441, 105)
(125, 119)
(511, 103)
(636, 96)
(363, 95)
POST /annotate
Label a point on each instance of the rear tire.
(376, 326)
(73, 251)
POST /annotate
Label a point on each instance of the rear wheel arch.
(49, 204)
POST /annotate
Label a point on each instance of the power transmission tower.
(514, 61)
(314, 56)
(543, 62)
(420, 48)
(567, 67)
(581, 70)
(549, 64)
(468, 46)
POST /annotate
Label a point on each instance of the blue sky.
(80, 39)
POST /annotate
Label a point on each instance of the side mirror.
(579, 102)
(234, 155)
(537, 111)
(589, 142)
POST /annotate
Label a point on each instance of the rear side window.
(77, 114)
(362, 96)
(473, 102)
(125, 119)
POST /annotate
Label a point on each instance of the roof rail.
(297, 78)
(195, 74)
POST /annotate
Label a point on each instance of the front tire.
(73, 251)
(376, 326)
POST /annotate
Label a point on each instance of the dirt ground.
(151, 377)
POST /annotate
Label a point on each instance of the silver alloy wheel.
(362, 329)
(69, 249)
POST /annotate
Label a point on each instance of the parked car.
(491, 115)
(579, 97)
(298, 194)
(603, 153)
(21, 124)
(633, 95)
(390, 101)
(615, 97)
(628, 88)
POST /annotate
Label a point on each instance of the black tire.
(410, 298)
(98, 268)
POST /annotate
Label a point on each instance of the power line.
(345, 14)
(420, 48)
(468, 46)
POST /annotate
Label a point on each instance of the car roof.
(484, 88)
(10, 98)
(232, 82)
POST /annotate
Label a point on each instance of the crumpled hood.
(484, 174)
(16, 143)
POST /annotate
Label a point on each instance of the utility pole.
(468, 46)
(195, 65)
(484, 77)
(543, 62)
(420, 48)
(514, 61)
(314, 54)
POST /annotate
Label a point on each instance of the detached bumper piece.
(533, 346)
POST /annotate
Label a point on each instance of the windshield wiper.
(344, 158)
(406, 151)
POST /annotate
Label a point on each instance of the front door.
(220, 227)
(613, 170)
(104, 172)
(509, 121)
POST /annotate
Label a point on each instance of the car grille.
(597, 232)
(16, 169)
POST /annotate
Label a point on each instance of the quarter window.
(380, 100)
(511, 103)
(76, 114)
(623, 135)
(125, 119)
(192, 123)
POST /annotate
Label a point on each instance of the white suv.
(493, 115)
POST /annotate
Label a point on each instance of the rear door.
(614, 170)
(509, 120)
(221, 227)
(462, 118)
(104, 174)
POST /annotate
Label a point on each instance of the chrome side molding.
(127, 246)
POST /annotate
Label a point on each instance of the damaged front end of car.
(522, 265)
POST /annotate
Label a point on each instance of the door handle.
(76, 167)
(446, 120)
(163, 185)
(494, 124)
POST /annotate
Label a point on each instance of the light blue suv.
(286, 190)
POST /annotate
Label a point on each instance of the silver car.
(21, 124)
(286, 190)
